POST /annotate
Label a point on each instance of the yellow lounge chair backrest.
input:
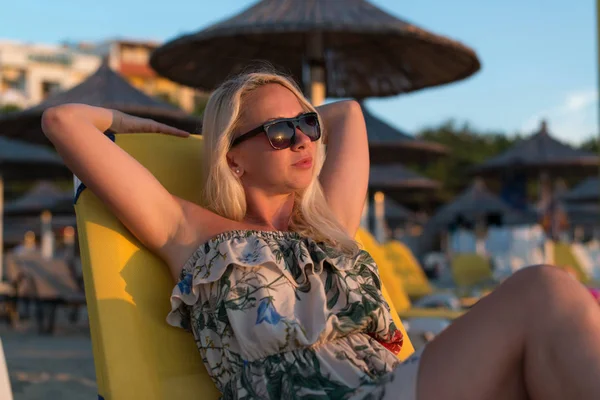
(137, 355)
(469, 269)
(564, 257)
(392, 286)
(392, 282)
(406, 266)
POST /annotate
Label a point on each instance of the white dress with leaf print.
(279, 316)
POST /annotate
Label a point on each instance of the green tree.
(7, 108)
(467, 148)
(166, 97)
(592, 144)
(200, 105)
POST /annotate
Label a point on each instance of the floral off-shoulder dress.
(280, 316)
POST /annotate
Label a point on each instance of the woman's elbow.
(353, 106)
(54, 118)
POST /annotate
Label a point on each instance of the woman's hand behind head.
(125, 123)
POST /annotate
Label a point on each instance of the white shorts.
(400, 384)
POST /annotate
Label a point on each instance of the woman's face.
(261, 166)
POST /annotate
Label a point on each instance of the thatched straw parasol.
(586, 191)
(346, 48)
(24, 161)
(475, 204)
(44, 196)
(402, 185)
(395, 211)
(390, 145)
(387, 178)
(541, 153)
(583, 214)
(395, 214)
(104, 88)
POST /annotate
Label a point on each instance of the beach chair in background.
(561, 254)
(416, 284)
(585, 259)
(5, 389)
(471, 270)
(526, 247)
(393, 282)
(422, 323)
(47, 283)
(593, 251)
(406, 266)
(137, 355)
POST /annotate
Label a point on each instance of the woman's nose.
(300, 139)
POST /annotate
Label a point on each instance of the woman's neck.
(269, 212)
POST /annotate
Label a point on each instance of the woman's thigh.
(481, 355)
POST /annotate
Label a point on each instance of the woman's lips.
(305, 163)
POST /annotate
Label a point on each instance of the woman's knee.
(549, 291)
(542, 277)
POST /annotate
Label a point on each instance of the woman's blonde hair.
(223, 191)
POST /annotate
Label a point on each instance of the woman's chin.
(301, 184)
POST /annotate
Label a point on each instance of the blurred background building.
(29, 73)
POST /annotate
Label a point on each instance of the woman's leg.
(535, 337)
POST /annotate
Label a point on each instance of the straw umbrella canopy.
(24, 161)
(44, 196)
(541, 153)
(401, 184)
(583, 214)
(104, 88)
(395, 213)
(391, 177)
(474, 204)
(390, 145)
(586, 191)
(345, 48)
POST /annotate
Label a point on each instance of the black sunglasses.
(282, 132)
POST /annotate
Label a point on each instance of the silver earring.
(237, 171)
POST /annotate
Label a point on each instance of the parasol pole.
(544, 207)
(364, 217)
(1, 226)
(314, 69)
(480, 233)
(544, 192)
(380, 233)
(47, 236)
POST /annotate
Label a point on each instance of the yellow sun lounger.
(562, 255)
(394, 284)
(137, 355)
(413, 277)
(470, 269)
(406, 266)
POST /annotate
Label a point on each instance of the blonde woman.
(281, 301)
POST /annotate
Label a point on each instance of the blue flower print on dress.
(267, 312)
(250, 257)
(252, 254)
(185, 285)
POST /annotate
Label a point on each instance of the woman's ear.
(234, 166)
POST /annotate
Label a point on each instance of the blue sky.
(539, 57)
